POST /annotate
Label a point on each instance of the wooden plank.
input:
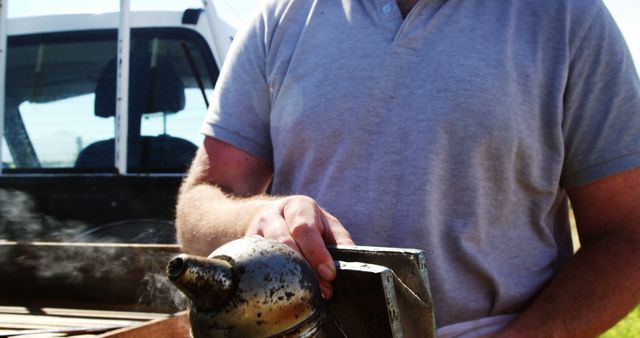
(176, 326)
(58, 332)
(55, 322)
(83, 313)
(171, 247)
(26, 321)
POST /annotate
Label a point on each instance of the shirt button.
(386, 9)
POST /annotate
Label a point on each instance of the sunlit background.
(234, 10)
(626, 12)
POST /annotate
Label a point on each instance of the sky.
(627, 15)
(236, 9)
(39, 7)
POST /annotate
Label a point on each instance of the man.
(458, 127)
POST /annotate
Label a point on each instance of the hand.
(299, 222)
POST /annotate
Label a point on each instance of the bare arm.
(600, 284)
(223, 198)
(208, 212)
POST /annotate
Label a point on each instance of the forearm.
(206, 217)
(597, 288)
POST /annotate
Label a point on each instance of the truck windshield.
(60, 100)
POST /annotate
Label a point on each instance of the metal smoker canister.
(251, 287)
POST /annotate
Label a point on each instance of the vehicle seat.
(152, 88)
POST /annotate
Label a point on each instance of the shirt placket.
(390, 17)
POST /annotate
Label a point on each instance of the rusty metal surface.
(361, 305)
(380, 292)
(209, 283)
(409, 265)
(250, 287)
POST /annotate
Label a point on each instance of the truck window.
(60, 100)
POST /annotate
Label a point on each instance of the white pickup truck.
(99, 116)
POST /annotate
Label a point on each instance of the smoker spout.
(207, 282)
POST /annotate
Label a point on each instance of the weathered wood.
(176, 326)
(44, 321)
(53, 322)
(58, 332)
(141, 316)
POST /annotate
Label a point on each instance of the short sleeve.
(601, 122)
(240, 108)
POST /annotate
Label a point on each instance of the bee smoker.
(250, 287)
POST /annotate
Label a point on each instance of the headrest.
(151, 89)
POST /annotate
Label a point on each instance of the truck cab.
(77, 163)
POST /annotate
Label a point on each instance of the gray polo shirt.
(455, 131)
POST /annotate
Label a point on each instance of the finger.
(271, 225)
(326, 289)
(311, 244)
(305, 226)
(334, 231)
